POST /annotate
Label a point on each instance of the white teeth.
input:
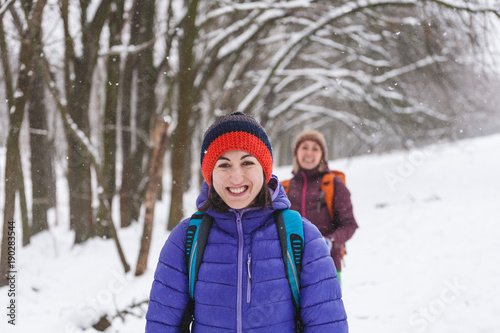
(237, 190)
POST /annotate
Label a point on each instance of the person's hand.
(328, 243)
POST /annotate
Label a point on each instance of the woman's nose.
(236, 175)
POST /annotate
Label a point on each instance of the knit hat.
(236, 131)
(313, 136)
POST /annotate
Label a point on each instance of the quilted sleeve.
(169, 292)
(343, 216)
(322, 309)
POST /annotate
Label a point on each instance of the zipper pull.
(249, 265)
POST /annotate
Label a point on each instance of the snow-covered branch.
(251, 6)
(409, 68)
(470, 7)
(5, 7)
(295, 98)
(297, 38)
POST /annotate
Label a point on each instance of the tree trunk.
(41, 152)
(11, 179)
(126, 147)
(22, 201)
(16, 118)
(80, 192)
(160, 139)
(79, 71)
(125, 188)
(79, 173)
(110, 117)
(181, 138)
(12, 142)
(126, 122)
(137, 162)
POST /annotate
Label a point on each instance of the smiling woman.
(320, 194)
(242, 282)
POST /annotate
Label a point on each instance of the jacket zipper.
(304, 191)
(239, 295)
(249, 281)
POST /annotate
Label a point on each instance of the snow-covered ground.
(426, 257)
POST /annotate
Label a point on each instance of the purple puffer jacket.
(242, 286)
(304, 194)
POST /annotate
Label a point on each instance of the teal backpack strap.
(291, 234)
(196, 240)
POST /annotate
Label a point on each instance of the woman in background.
(308, 193)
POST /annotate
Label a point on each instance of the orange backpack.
(326, 186)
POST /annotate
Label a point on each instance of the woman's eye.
(223, 165)
(248, 163)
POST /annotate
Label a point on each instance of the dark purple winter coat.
(304, 194)
(242, 285)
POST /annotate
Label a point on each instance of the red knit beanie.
(236, 131)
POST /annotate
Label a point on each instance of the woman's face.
(237, 178)
(309, 154)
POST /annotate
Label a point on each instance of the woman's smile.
(237, 190)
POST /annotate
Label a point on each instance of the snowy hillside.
(425, 258)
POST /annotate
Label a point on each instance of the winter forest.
(111, 98)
